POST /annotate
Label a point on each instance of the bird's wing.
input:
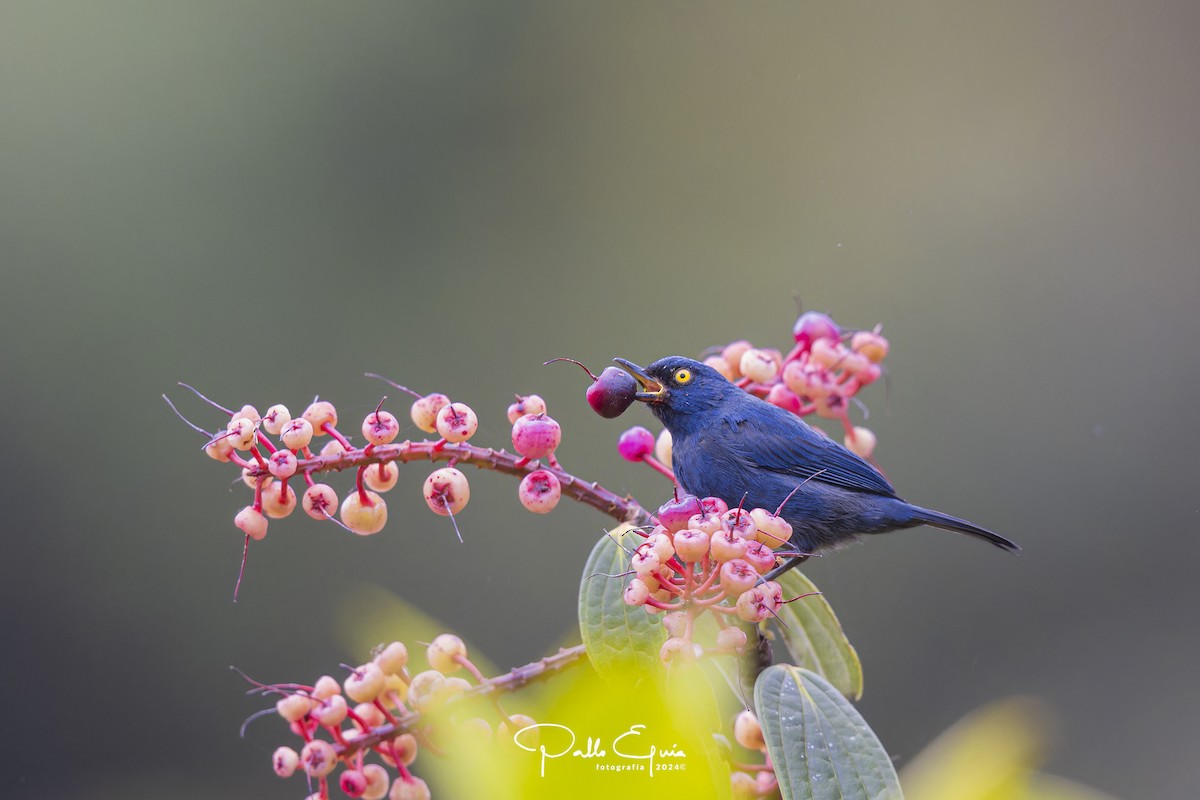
(786, 445)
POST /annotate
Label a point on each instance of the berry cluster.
(382, 711)
(704, 556)
(752, 781)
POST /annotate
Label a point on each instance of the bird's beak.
(651, 390)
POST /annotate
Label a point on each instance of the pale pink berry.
(807, 380)
(319, 414)
(748, 732)
(425, 410)
(832, 407)
(515, 723)
(282, 464)
(443, 652)
(743, 786)
(410, 788)
(813, 326)
(868, 374)
(370, 714)
(219, 450)
(636, 593)
(381, 477)
(691, 545)
(251, 522)
(365, 683)
(251, 480)
(752, 605)
(785, 398)
(318, 758)
(707, 522)
(645, 560)
(332, 711)
(679, 651)
(393, 658)
(405, 749)
(660, 542)
(380, 427)
(827, 352)
(739, 521)
(276, 418)
(279, 501)
(320, 501)
(731, 639)
(758, 366)
(284, 761)
(727, 546)
(759, 556)
(862, 443)
(722, 366)
(732, 355)
(332, 448)
(297, 434)
(447, 491)
(424, 692)
(293, 707)
(326, 687)
(529, 404)
(540, 491)
(663, 448)
(352, 782)
(248, 412)
(536, 435)
(676, 623)
(713, 505)
(377, 782)
(870, 344)
(737, 576)
(635, 444)
(769, 529)
(364, 517)
(240, 433)
(456, 422)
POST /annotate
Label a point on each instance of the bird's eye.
(683, 375)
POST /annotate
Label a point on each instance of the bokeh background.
(268, 199)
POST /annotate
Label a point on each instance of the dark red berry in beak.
(612, 392)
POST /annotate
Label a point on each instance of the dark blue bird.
(728, 443)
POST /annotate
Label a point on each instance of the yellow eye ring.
(683, 375)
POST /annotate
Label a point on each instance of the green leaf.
(820, 745)
(813, 636)
(620, 639)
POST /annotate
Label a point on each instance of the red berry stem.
(660, 468)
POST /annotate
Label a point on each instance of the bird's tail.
(925, 516)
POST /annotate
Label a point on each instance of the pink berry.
(297, 434)
(294, 707)
(527, 404)
(284, 761)
(748, 732)
(364, 517)
(377, 782)
(709, 523)
(241, 433)
(722, 366)
(635, 444)
(380, 427)
(381, 477)
(738, 521)
(780, 395)
(636, 593)
(540, 491)
(318, 758)
(536, 435)
(365, 683)
(691, 545)
(447, 491)
(425, 410)
(727, 546)
(813, 326)
(282, 464)
(758, 366)
(713, 505)
(219, 450)
(731, 639)
(409, 788)
(737, 576)
(827, 352)
(870, 344)
(680, 651)
(279, 501)
(444, 651)
(352, 782)
(320, 501)
(674, 514)
(759, 556)
(861, 442)
(456, 422)
(612, 392)
(251, 522)
(732, 354)
(331, 711)
(319, 414)
(663, 447)
(276, 417)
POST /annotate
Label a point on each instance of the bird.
(729, 444)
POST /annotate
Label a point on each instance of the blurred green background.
(268, 199)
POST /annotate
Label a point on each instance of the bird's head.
(680, 391)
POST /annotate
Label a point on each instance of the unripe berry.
(509, 726)
(869, 374)
(870, 344)
(451, 689)
(279, 501)
(326, 687)
(370, 714)
(752, 605)
(240, 433)
(393, 658)
(748, 732)
(282, 464)
(807, 380)
(443, 651)
(536, 435)
(365, 683)
(679, 651)
(475, 732)
(381, 477)
(674, 514)
(758, 366)
(319, 501)
(662, 447)
(737, 576)
(332, 711)
(252, 480)
(691, 545)
(380, 427)
(248, 412)
(276, 418)
(769, 529)
(738, 521)
(722, 366)
(251, 522)
(827, 353)
(284, 761)
(611, 393)
(863, 442)
(405, 748)
(425, 410)
(219, 450)
(731, 639)
(293, 707)
(785, 398)
(713, 505)
(676, 623)
(636, 593)
(635, 444)
(318, 758)
(352, 782)
(423, 692)
(732, 354)
(456, 422)
(660, 542)
(759, 556)
(529, 404)
(709, 523)
(743, 786)
(540, 491)
(377, 782)
(319, 414)
(447, 491)
(364, 518)
(645, 561)
(297, 434)
(813, 326)
(332, 448)
(410, 788)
